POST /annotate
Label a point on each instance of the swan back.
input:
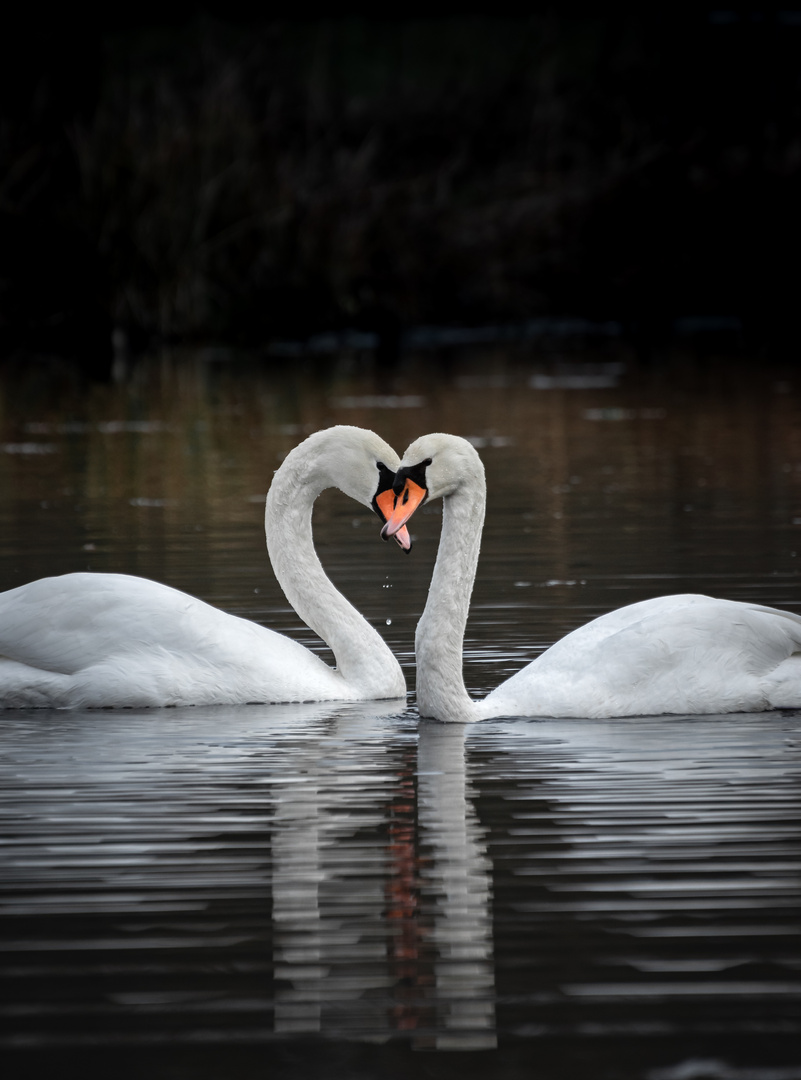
(670, 654)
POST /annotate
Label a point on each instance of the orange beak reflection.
(407, 502)
(386, 504)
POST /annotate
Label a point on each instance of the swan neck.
(363, 659)
(439, 639)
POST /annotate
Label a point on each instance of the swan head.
(360, 464)
(433, 467)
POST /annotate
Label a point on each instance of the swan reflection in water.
(374, 938)
(457, 882)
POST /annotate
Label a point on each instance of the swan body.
(673, 654)
(113, 640)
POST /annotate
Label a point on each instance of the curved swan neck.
(363, 659)
(439, 639)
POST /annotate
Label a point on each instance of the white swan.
(674, 654)
(111, 640)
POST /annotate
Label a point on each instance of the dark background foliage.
(178, 173)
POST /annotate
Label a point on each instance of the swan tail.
(784, 686)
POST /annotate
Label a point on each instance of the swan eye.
(386, 478)
(416, 474)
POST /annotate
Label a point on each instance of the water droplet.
(389, 622)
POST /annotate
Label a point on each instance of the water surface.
(345, 890)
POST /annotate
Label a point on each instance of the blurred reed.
(246, 182)
(280, 180)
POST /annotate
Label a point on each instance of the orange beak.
(407, 502)
(386, 504)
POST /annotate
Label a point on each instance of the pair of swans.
(100, 640)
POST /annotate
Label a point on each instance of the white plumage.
(674, 654)
(112, 640)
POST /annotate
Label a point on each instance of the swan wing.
(676, 654)
(115, 640)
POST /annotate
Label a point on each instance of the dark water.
(343, 890)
